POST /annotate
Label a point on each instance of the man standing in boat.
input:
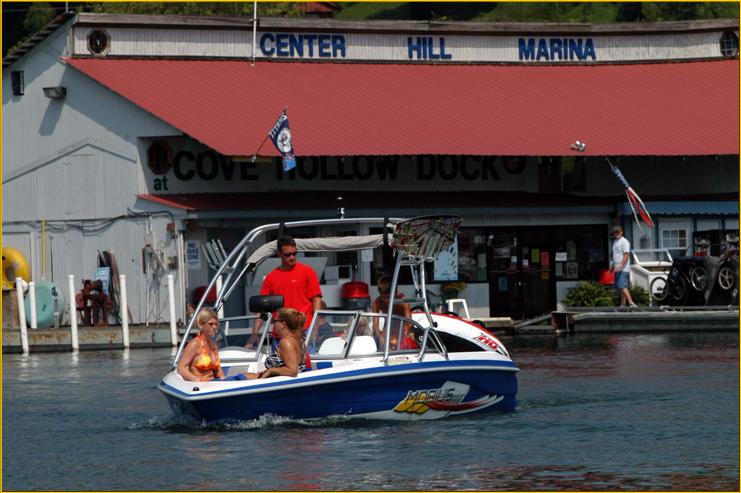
(296, 282)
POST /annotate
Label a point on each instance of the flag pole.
(254, 154)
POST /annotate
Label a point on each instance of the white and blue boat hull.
(430, 389)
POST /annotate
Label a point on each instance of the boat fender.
(14, 265)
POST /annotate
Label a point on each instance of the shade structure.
(344, 109)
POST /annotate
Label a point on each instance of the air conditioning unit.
(337, 274)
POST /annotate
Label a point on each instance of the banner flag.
(280, 135)
(634, 200)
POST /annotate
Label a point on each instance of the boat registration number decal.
(399, 360)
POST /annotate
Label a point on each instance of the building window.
(159, 157)
(549, 174)
(729, 44)
(675, 240)
(471, 255)
(98, 42)
(574, 174)
(16, 78)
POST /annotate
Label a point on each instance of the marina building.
(145, 137)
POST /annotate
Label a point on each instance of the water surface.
(631, 411)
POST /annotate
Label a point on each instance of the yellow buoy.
(14, 265)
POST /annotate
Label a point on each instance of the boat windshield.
(339, 334)
(235, 331)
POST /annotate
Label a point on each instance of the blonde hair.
(293, 318)
(205, 315)
(384, 284)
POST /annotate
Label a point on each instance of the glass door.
(502, 261)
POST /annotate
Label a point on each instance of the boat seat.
(363, 345)
(333, 345)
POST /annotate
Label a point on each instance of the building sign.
(420, 47)
(556, 49)
(446, 263)
(193, 254)
(207, 171)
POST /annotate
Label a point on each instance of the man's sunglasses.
(289, 254)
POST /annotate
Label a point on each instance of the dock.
(561, 322)
(90, 338)
(644, 319)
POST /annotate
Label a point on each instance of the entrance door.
(502, 261)
(519, 271)
(537, 278)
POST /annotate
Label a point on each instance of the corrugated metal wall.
(73, 159)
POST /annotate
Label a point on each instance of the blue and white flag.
(280, 134)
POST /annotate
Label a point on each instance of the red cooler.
(355, 295)
(198, 293)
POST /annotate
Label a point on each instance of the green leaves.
(592, 293)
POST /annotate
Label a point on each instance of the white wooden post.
(22, 314)
(32, 302)
(124, 311)
(73, 313)
(219, 285)
(171, 296)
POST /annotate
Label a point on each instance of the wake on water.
(189, 424)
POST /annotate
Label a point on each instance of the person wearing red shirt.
(296, 282)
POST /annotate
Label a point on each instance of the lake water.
(597, 412)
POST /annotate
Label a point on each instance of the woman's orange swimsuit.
(203, 361)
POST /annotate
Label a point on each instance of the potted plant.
(452, 289)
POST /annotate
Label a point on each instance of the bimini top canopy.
(331, 244)
(424, 237)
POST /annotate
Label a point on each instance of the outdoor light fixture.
(57, 92)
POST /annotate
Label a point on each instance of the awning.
(711, 207)
(341, 109)
(524, 202)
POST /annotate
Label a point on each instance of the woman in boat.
(290, 358)
(380, 305)
(200, 361)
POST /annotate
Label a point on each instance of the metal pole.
(125, 312)
(219, 289)
(21, 315)
(171, 296)
(254, 31)
(73, 313)
(32, 302)
(43, 249)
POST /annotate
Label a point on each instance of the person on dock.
(296, 282)
(200, 361)
(621, 266)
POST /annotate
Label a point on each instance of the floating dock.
(643, 319)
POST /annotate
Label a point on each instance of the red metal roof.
(376, 109)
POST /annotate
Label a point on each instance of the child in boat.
(380, 305)
(200, 361)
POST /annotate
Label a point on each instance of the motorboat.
(450, 366)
